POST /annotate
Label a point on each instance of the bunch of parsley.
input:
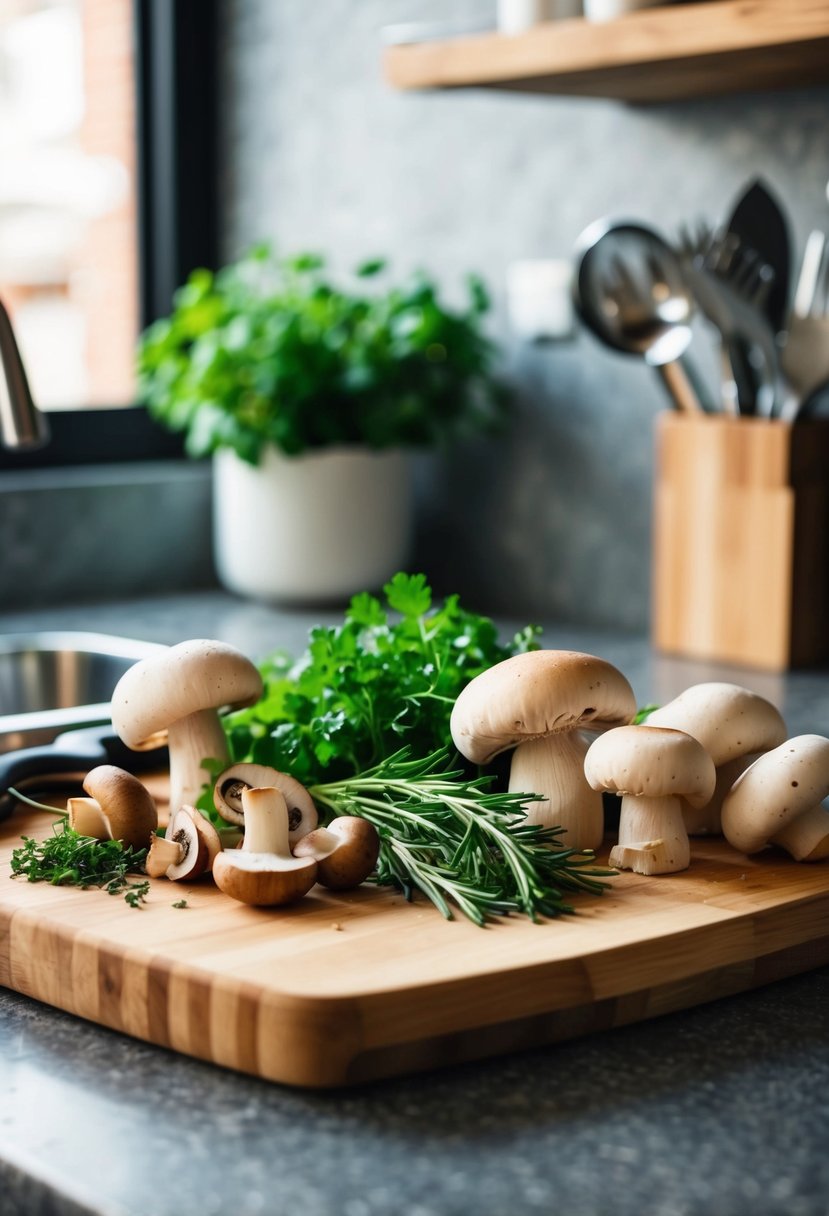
(367, 688)
(362, 719)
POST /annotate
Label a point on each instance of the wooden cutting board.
(341, 989)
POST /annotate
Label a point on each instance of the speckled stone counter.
(718, 1110)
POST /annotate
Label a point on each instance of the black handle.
(74, 752)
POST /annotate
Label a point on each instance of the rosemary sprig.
(460, 843)
(68, 859)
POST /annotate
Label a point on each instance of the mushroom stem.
(263, 872)
(163, 854)
(554, 767)
(707, 820)
(86, 817)
(266, 822)
(191, 741)
(806, 838)
(652, 836)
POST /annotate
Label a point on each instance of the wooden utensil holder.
(741, 540)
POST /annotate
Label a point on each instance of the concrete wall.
(319, 152)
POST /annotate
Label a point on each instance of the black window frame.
(177, 80)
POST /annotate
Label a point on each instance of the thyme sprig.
(68, 859)
(459, 842)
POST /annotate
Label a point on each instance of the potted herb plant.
(309, 393)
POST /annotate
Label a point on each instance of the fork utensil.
(732, 285)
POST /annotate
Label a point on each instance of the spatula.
(759, 223)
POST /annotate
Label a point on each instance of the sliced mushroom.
(163, 854)
(125, 803)
(188, 850)
(345, 852)
(263, 872)
(231, 784)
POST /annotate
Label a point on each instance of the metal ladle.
(629, 290)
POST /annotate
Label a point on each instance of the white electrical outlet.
(539, 300)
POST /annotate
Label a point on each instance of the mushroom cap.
(651, 762)
(160, 690)
(127, 804)
(346, 851)
(729, 721)
(302, 813)
(263, 879)
(534, 695)
(777, 788)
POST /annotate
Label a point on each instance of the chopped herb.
(181, 903)
(134, 893)
(68, 859)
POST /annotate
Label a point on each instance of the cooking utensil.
(759, 223)
(808, 281)
(630, 292)
(731, 284)
(806, 353)
(67, 759)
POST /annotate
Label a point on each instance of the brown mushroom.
(263, 872)
(230, 785)
(188, 849)
(125, 803)
(345, 852)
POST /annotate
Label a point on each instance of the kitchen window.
(105, 203)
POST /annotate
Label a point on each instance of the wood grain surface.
(741, 515)
(656, 54)
(341, 989)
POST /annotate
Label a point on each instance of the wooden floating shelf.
(658, 54)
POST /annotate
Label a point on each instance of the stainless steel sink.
(52, 682)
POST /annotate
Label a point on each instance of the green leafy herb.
(370, 686)
(181, 903)
(270, 350)
(643, 714)
(68, 859)
(134, 893)
(457, 840)
(362, 718)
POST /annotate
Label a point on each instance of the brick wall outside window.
(68, 247)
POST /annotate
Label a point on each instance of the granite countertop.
(717, 1110)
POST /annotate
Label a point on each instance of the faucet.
(22, 425)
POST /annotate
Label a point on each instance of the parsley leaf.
(386, 677)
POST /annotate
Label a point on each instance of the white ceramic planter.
(316, 527)
(515, 16)
(610, 10)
